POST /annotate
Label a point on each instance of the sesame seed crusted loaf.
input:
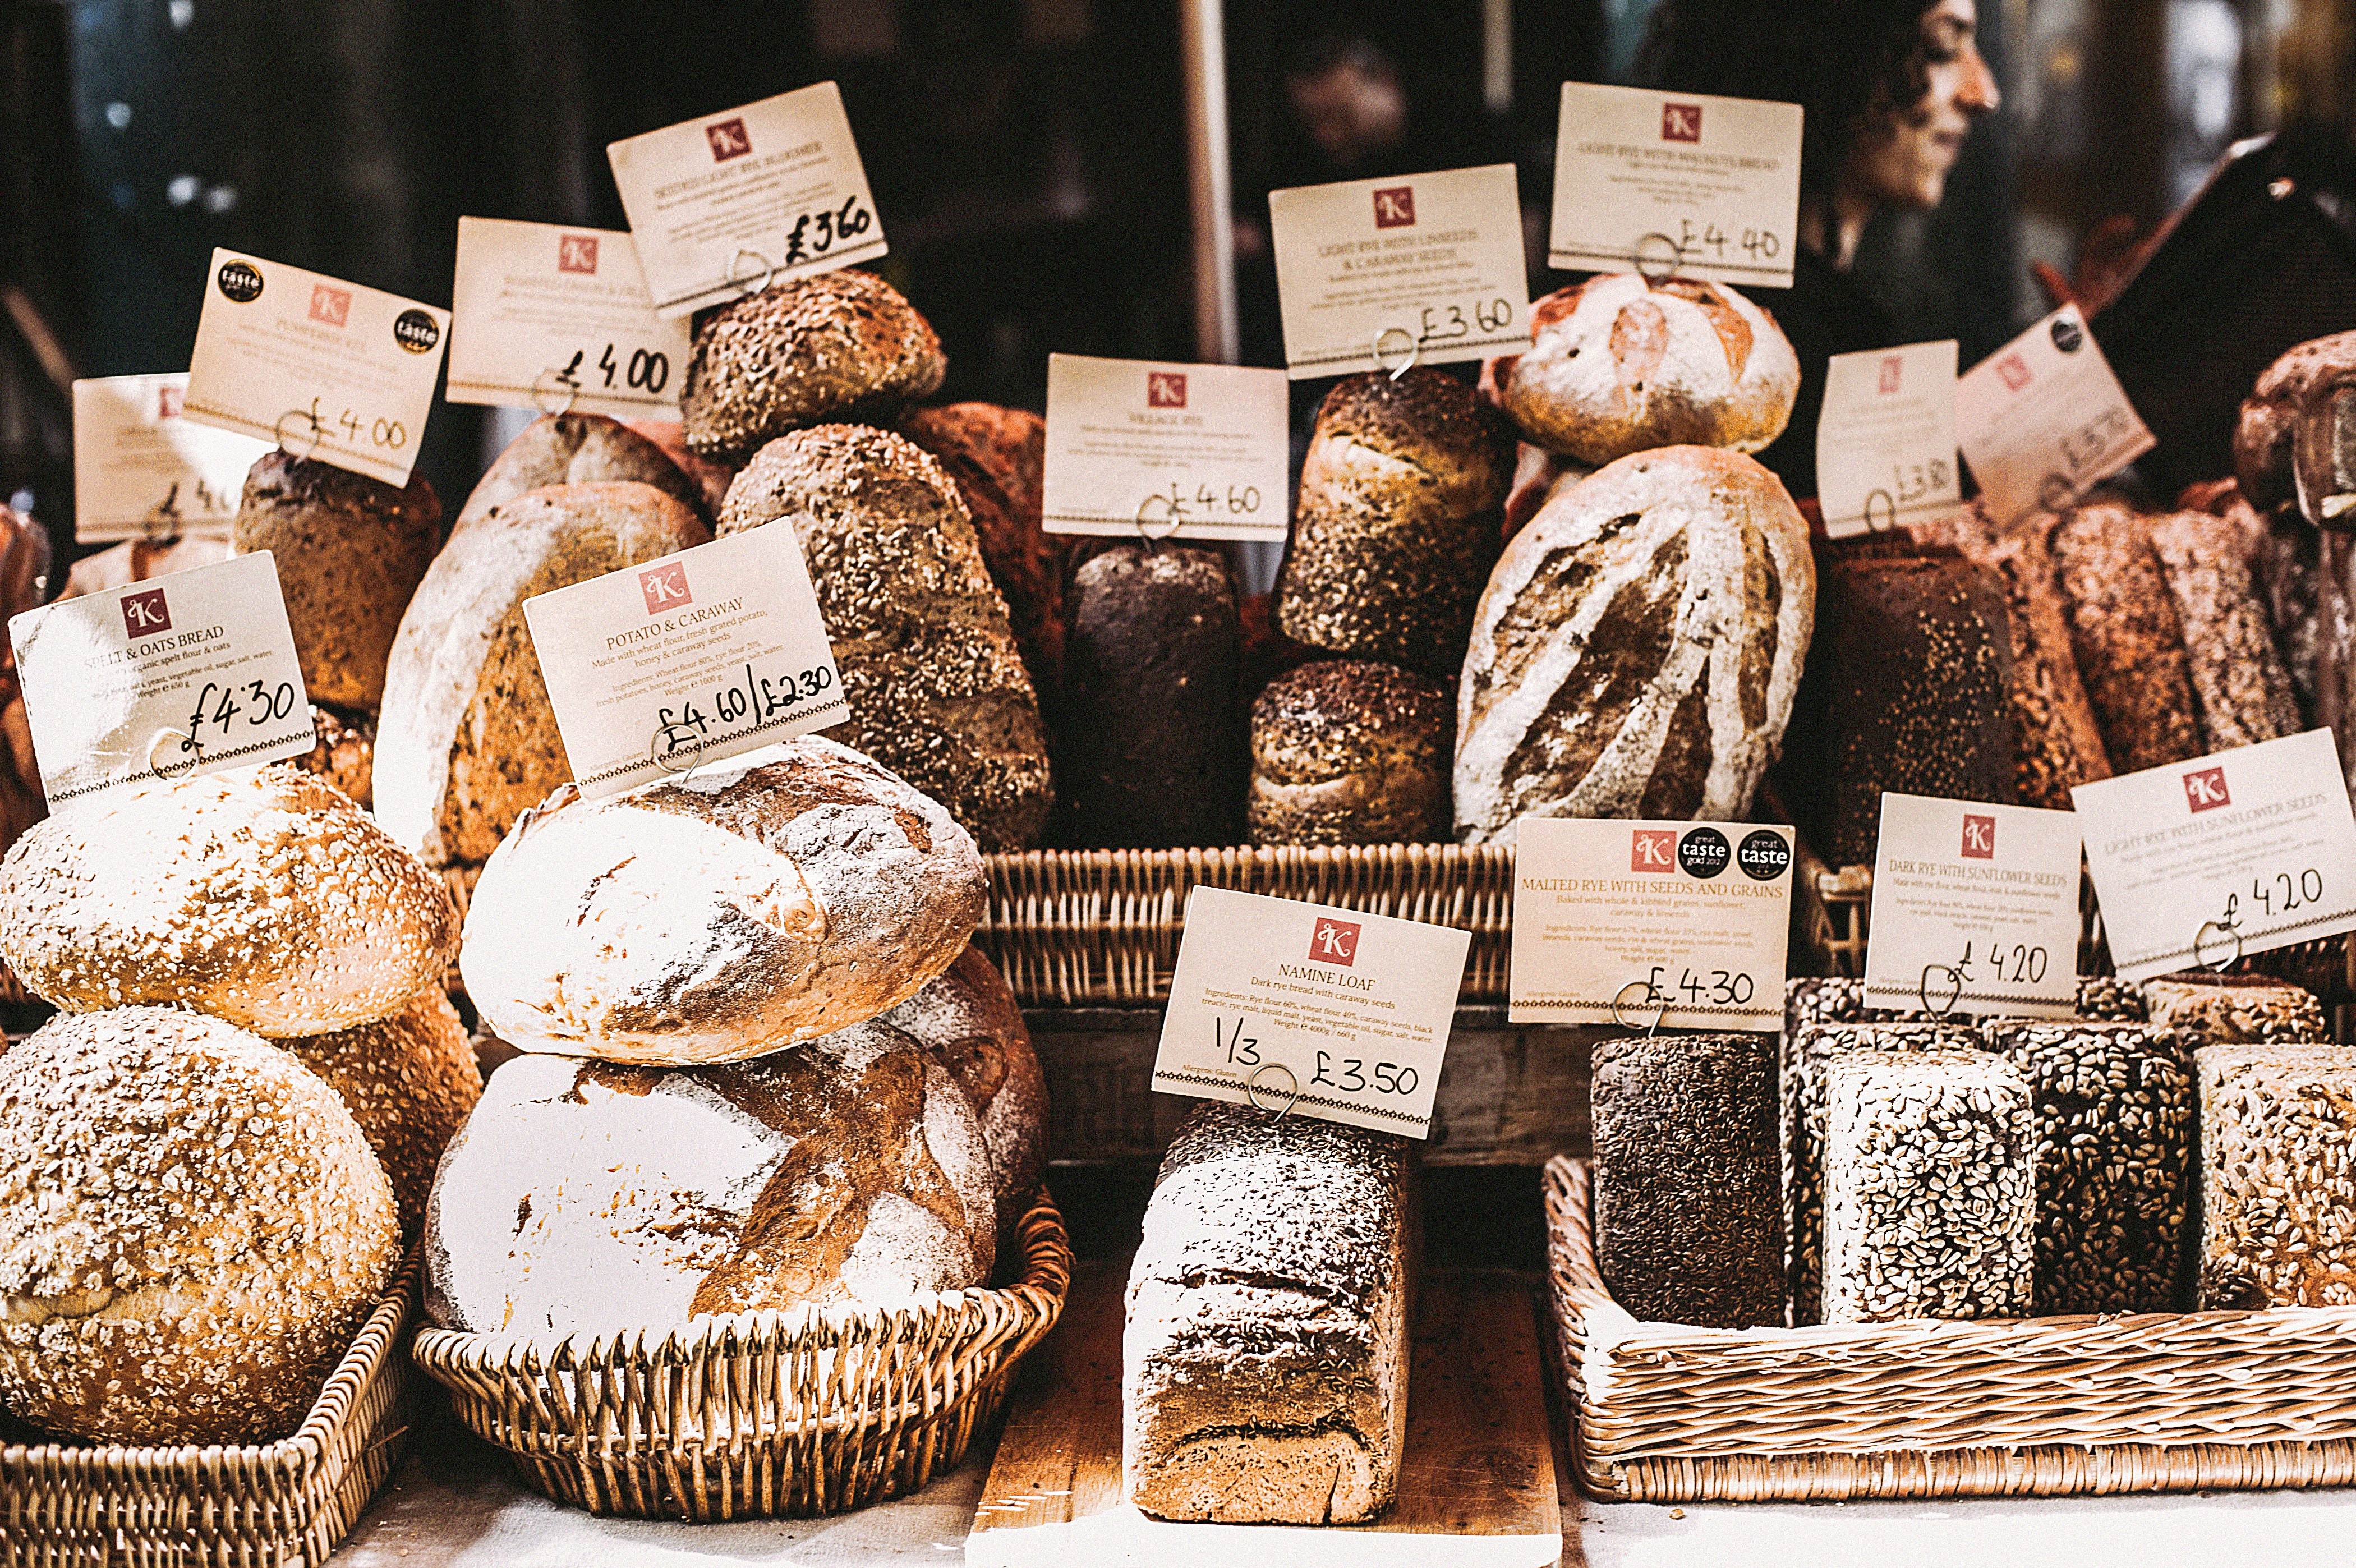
(967, 1017)
(577, 449)
(598, 1196)
(757, 903)
(1350, 751)
(191, 1231)
(843, 345)
(263, 896)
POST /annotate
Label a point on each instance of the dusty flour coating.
(970, 1020)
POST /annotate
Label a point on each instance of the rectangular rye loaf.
(1264, 1368)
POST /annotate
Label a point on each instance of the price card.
(543, 315)
(1709, 183)
(1886, 440)
(2202, 861)
(699, 656)
(725, 205)
(1372, 273)
(142, 469)
(1974, 910)
(1684, 924)
(1322, 1012)
(1137, 446)
(2042, 420)
(331, 370)
(167, 679)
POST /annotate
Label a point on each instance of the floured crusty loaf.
(762, 901)
(1638, 648)
(968, 1019)
(843, 345)
(1616, 365)
(263, 897)
(192, 1230)
(1349, 751)
(577, 449)
(409, 1081)
(598, 1196)
(467, 741)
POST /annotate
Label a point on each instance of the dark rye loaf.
(2244, 692)
(1350, 752)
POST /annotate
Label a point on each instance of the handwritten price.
(815, 233)
(1445, 323)
(1240, 501)
(389, 433)
(1759, 245)
(749, 702)
(1240, 1050)
(646, 370)
(2087, 445)
(1719, 987)
(217, 708)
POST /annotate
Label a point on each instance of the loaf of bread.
(596, 1195)
(1618, 365)
(2238, 681)
(843, 345)
(1402, 496)
(137, 560)
(757, 903)
(1153, 738)
(467, 741)
(712, 478)
(2263, 439)
(2127, 637)
(345, 755)
(998, 458)
(2278, 1181)
(23, 584)
(930, 667)
(578, 450)
(1539, 476)
(1688, 1199)
(263, 897)
(1351, 752)
(970, 1022)
(409, 1081)
(192, 1230)
(1638, 648)
(2208, 1009)
(1264, 1366)
(350, 550)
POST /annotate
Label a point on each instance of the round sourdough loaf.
(838, 346)
(1638, 648)
(192, 1230)
(577, 449)
(1351, 752)
(263, 896)
(409, 1081)
(763, 901)
(597, 1196)
(1616, 366)
(968, 1019)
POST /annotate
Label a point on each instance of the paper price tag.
(165, 679)
(699, 656)
(546, 317)
(1709, 183)
(328, 369)
(1137, 446)
(1373, 274)
(1321, 1011)
(1670, 925)
(726, 205)
(2205, 861)
(1886, 440)
(142, 469)
(2042, 420)
(1974, 910)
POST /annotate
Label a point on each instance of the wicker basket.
(257, 1506)
(765, 1413)
(2041, 1407)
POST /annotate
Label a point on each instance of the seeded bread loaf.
(968, 1019)
(1350, 752)
(345, 755)
(2264, 438)
(998, 458)
(2128, 640)
(578, 450)
(2234, 1009)
(2278, 1180)
(843, 345)
(2238, 679)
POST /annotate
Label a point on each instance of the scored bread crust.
(263, 897)
(761, 902)
(578, 450)
(967, 1017)
(1351, 752)
(838, 346)
(192, 1229)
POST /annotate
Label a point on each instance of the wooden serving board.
(1477, 1487)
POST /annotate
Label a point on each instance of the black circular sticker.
(1703, 852)
(416, 331)
(1764, 856)
(240, 281)
(2068, 334)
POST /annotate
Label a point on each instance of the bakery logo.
(1394, 208)
(1653, 849)
(1681, 122)
(1979, 838)
(169, 400)
(144, 614)
(1890, 372)
(1334, 941)
(416, 331)
(2015, 371)
(239, 281)
(2205, 790)
(665, 587)
(1165, 389)
(577, 253)
(332, 305)
(729, 139)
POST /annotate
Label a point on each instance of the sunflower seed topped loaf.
(2108, 998)
(843, 345)
(998, 458)
(1638, 647)
(577, 449)
(1688, 1203)
(1834, 999)
(2234, 1009)
(2127, 637)
(1402, 496)
(1350, 751)
(1264, 1365)
(2278, 1175)
(2238, 679)
(263, 897)
(930, 667)
(967, 1017)
(1618, 365)
(192, 1230)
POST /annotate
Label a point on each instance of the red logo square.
(1653, 849)
(1681, 122)
(665, 587)
(169, 400)
(1979, 838)
(2014, 371)
(576, 254)
(332, 305)
(1394, 208)
(729, 139)
(1335, 941)
(144, 614)
(1890, 371)
(1165, 389)
(2205, 789)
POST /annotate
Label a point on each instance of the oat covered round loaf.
(967, 1017)
(192, 1230)
(263, 897)
(409, 1081)
(577, 449)
(1350, 751)
(837, 346)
